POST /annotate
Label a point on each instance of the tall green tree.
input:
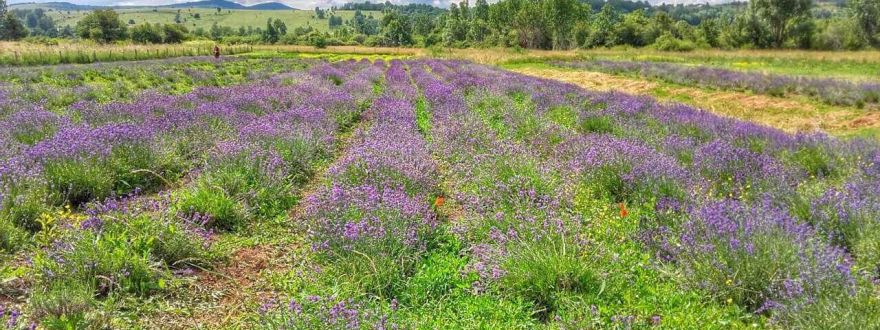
(280, 27)
(481, 10)
(11, 27)
(781, 15)
(397, 29)
(102, 26)
(271, 34)
(603, 26)
(867, 16)
(560, 17)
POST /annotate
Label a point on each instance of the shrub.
(759, 258)
(205, 199)
(11, 237)
(815, 156)
(264, 195)
(114, 252)
(147, 33)
(668, 42)
(372, 236)
(22, 203)
(737, 172)
(65, 305)
(318, 40)
(600, 124)
(78, 181)
(850, 217)
(128, 168)
(624, 170)
(544, 271)
(137, 167)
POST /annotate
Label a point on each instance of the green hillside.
(207, 17)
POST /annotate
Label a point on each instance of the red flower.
(439, 201)
(623, 211)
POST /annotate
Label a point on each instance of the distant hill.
(54, 5)
(207, 4)
(270, 6)
(224, 4)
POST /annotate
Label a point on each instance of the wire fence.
(47, 55)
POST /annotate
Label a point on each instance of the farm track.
(223, 297)
(791, 114)
(231, 290)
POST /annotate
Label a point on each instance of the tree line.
(539, 24)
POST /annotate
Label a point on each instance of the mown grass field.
(864, 65)
(353, 188)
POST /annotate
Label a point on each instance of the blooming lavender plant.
(759, 257)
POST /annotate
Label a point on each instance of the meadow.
(194, 18)
(399, 190)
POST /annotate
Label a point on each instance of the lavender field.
(430, 194)
(826, 90)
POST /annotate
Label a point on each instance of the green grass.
(57, 86)
(208, 16)
(332, 57)
(805, 66)
(845, 65)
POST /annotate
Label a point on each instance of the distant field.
(208, 16)
(852, 65)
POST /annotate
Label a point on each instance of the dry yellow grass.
(361, 50)
(20, 53)
(828, 56)
(788, 114)
(8, 47)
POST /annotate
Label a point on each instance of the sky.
(301, 4)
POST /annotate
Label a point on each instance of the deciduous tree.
(101, 25)
(781, 15)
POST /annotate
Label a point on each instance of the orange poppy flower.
(439, 201)
(623, 211)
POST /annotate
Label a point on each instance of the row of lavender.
(228, 155)
(370, 222)
(57, 87)
(524, 238)
(747, 213)
(827, 90)
(529, 233)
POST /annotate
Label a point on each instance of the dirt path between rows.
(223, 297)
(789, 114)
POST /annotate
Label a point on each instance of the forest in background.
(533, 24)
